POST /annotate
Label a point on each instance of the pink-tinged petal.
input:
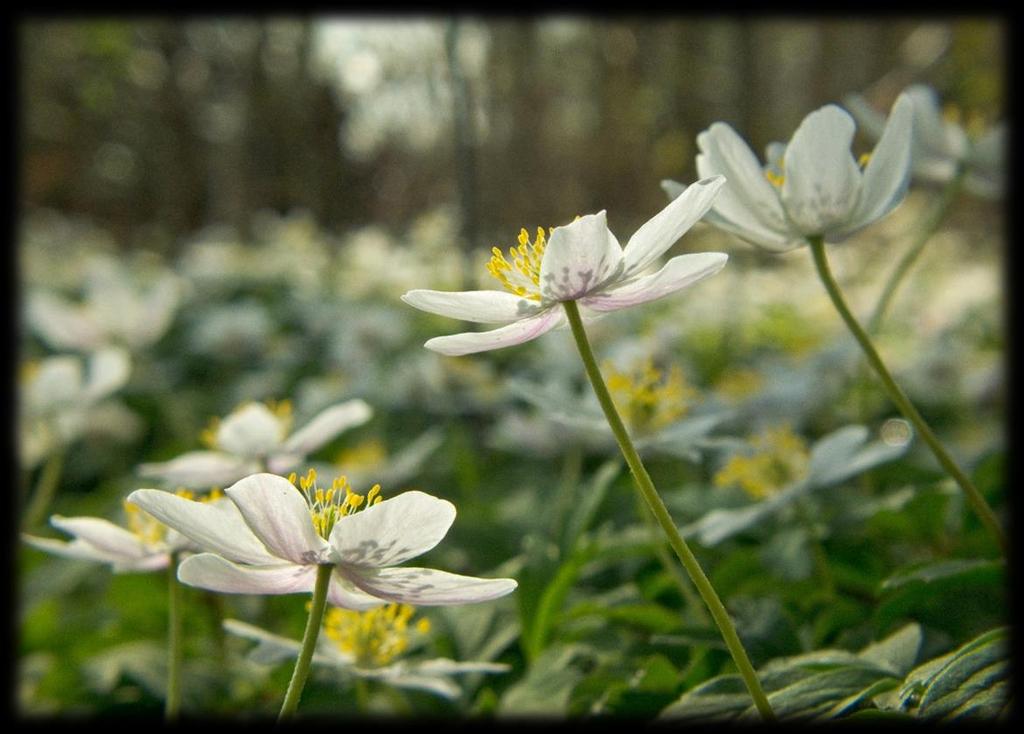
(747, 199)
(251, 431)
(677, 273)
(277, 513)
(200, 469)
(662, 231)
(326, 425)
(209, 571)
(343, 593)
(483, 307)
(822, 180)
(102, 534)
(428, 587)
(213, 526)
(505, 336)
(887, 173)
(392, 531)
(578, 258)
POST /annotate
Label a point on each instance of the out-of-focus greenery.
(293, 178)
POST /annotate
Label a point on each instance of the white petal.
(428, 587)
(677, 273)
(887, 173)
(578, 258)
(747, 199)
(326, 425)
(209, 571)
(484, 307)
(252, 431)
(822, 180)
(392, 531)
(82, 551)
(343, 593)
(61, 324)
(200, 469)
(505, 336)
(277, 513)
(108, 371)
(446, 666)
(213, 526)
(102, 535)
(663, 230)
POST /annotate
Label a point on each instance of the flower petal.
(822, 180)
(343, 593)
(82, 551)
(392, 531)
(887, 174)
(213, 526)
(200, 469)
(278, 515)
(747, 199)
(210, 571)
(251, 431)
(102, 535)
(108, 371)
(429, 587)
(505, 336)
(677, 273)
(662, 231)
(484, 307)
(578, 258)
(326, 425)
(61, 324)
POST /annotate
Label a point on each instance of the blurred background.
(155, 128)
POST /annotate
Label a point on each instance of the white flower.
(254, 438)
(941, 145)
(60, 398)
(146, 545)
(583, 262)
(277, 538)
(810, 187)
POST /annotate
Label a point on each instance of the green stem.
(46, 488)
(899, 398)
(817, 549)
(661, 515)
(931, 226)
(175, 651)
(362, 695)
(316, 617)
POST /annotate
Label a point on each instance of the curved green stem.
(898, 397)
(46, 488)
(930, 227)
(175, 651)
(316, 618)
(661, 515)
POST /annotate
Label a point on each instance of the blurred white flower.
(256, 437)
(582, 261)
(941, 145)
(281, 535)
(811, 186)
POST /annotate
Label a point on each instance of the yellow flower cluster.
(375, 637)
(647, 398)
(780, 457)
(326, 506)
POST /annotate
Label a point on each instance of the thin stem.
(46, 488)
(900, 399)
(931, 226)
(316, 618)
(661, 515)
(175, 651)
(817, 549)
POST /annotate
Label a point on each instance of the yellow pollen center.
(208, 436)
(780, 457)
(521, 275)
(374, 637)
(326, 506)
(647, 398)
(283, 410)
(864, 158)
(363, 455)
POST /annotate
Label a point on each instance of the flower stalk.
(46, 488)
(898, 397)
(309, 637)
(175, 651)
(657, 507)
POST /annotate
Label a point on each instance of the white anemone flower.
(145, 545)
(581, 261)
(941, 145)
(256, 437)
(280, 535)
(810, 187)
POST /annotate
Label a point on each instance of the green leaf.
(898, 652)
(973, 682)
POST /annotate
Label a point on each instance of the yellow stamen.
(775, 179)
(326, 506)
(780, 457)
(864, 158)
(647, 398)
(374, 637)
(522, 275)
